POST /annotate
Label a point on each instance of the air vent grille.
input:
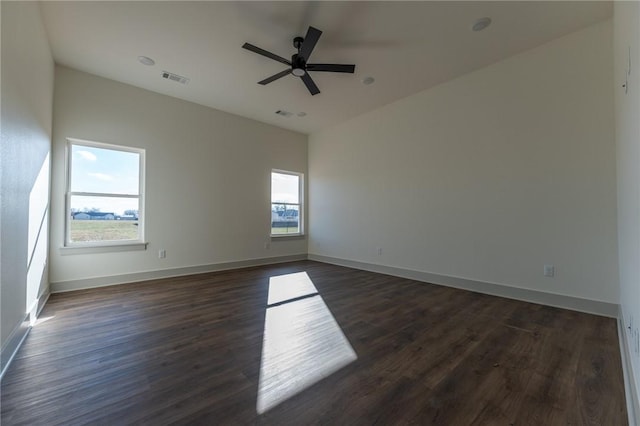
(174, 77)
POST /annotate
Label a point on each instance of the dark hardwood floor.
(311, 343)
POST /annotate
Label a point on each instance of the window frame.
(300, 204)
(136, 244)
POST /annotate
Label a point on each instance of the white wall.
(627, 112)
(207, 179)
(487, 177)
(27, 96)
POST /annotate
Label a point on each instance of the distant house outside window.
(105, 193)
(286, 203)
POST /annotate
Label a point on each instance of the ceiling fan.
(298, 63)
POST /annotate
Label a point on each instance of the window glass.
(104, 197)
(104, 170)
(285, 203)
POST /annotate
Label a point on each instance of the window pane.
(104, 170)
(103, 219)
(285, 188)
(285, 218)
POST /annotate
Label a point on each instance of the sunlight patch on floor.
(302, 342)
(40, 320)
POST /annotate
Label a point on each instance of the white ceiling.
(406, 46)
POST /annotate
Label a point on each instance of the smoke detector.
(145, 60)
(481, 23)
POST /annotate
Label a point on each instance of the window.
(104, 197)
(286, 203)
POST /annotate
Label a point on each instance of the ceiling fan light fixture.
(298, 72)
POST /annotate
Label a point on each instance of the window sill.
(102, 248)
(288, 237)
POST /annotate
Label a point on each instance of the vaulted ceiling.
(406, 47)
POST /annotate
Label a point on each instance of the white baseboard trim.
(560, 301)
(19, 334)
(72, 285)
(42, 300)
(13, 343)
(630, 385)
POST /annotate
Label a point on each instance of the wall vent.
(284, 113)
(174, 77)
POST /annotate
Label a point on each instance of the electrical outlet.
(549, 270)
(379, 251)
(267, 246)
(162, 253)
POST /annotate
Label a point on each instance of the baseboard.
(526, 295)
(13, 343)
(630, 385)
(19, 334)
(72, 285)
(34, 310)
(42, 300)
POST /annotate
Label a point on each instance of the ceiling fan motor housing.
(298, 65)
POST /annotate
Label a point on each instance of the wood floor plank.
(190, 350)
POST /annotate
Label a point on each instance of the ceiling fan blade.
(331, 68)
(310, 40)
(275, 77)
(263, 52)
(308, 81)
